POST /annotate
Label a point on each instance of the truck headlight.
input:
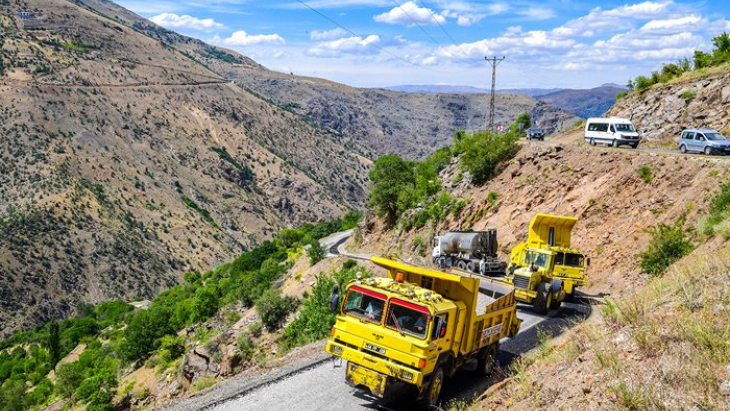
(406, 375)
(336, 350)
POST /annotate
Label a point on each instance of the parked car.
(703, 141)
(536, 134)
(613, 131)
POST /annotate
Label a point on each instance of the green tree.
(484, 151)
(205, 304)
(54, 342)
(702, 59)
(316, 253)
(393, 185)
(273, 308)
(721, 54)
(521, 124)
(141, 337)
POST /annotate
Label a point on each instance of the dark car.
(535, 134)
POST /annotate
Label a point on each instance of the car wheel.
(708, 151)
(683, 149)
(615, 143)
(430, 398)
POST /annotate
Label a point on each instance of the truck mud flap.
(361, 376)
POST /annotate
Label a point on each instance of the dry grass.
(666, 347)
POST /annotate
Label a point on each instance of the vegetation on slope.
(701, 60)
(116, 336)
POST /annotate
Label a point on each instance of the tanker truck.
(465, 249)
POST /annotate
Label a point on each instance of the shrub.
(492, 198)
(273, 308)
(393, 184)
(484, 151)
(622, 94)
(643, 83)
(349, 264)
(247, 346)
(645, 173)
(668, 244)
(316, 253)
(688, 95)
(719, 210)
(141, 337)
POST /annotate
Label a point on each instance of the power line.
(494, 62)
(458, 46)
(416, 23)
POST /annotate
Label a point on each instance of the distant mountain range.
(581, 102)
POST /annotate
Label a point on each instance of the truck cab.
(418, 327)
(544, 269)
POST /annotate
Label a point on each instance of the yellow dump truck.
(419, 326)
(544, 270)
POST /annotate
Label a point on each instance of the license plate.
(374, 348)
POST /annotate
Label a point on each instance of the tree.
(54, 343)
(393, 185)
(721, 54)
(205, 304)
(702, 59)
(141, 337)
(521, 124)
(484, 151)
(316, 253)
(630, 85)
(273, 308)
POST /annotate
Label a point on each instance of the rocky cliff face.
(663, 111)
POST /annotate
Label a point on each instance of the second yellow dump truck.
(544, 270)
(419, 326)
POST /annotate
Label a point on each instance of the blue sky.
(375, 43)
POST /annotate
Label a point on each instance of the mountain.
(585, 103)
(130, 154)
(447, 89)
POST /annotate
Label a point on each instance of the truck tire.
(461, 265)
(430, 398)
(541, 303)
(487, 360)
(555, 305)
(470, 267)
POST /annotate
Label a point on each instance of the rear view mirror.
(441, 329)
(588, 262)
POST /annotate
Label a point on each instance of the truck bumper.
(357, 375)
(526, 296)
(375, 365)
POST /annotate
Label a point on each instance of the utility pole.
(494, 61)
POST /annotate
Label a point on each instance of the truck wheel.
(461, 265)
(541, 303)
(487, 360)
(555, 305)
(470, 267)
(430, 398)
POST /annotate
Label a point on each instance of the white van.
(613, 131)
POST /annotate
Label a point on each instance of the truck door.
(442, 343)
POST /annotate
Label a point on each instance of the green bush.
(483, 151)
(273, 308)
(394, 182)
(645, 173)
(668, 244)
(316, 253)
(688, 95)
(719, 210)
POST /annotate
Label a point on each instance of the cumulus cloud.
(241, 38)
(354, 45)
(177, 21)
(537, 13)
(410, 14)
(464, 19)
(681, 23)
(333, 34)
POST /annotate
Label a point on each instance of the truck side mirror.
(588, 262)
(441, 332)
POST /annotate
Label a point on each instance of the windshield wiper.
(397, 324)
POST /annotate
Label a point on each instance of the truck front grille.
(521, 282)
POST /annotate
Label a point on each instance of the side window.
(436, 321)
(559, 257)
(699, 137)
(602, 127)
(688, 135)
(613, 130)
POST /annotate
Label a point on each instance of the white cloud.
(177, 21)
(537, 13)
(241, 38)
(409, 14)
(681, 23)
(464, 19)
(328, 34)
(354, 45)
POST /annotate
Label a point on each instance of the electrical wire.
(458, 46)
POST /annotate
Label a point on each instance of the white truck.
(613, 131)
(466, 249)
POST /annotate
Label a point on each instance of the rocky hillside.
(696, 100)
(124, 162)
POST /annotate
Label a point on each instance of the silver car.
(703, 141)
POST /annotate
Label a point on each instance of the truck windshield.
(626, 128)
(573, 260)
(365, 304)
(408, 318)
(536, 259)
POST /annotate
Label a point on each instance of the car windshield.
(715, 136)
(365, 304)
(408, 318)
(625, 128)
(536, 130)
(536, 259)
